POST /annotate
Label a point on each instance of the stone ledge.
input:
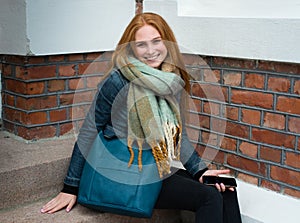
(30, 213)
(31, 170)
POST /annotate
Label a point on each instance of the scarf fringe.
(163, 152)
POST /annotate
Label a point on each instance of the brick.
(105, 56)
(36, 60)
(56, 85)
(294, 124)
(36, 132)
(9, 100)
(15, 86)
(280, 67)
(204, 121)
(232, 113)
(275, 121)
(34, 118)
(67, 70)
(13, 59)
(287, 104)
(95, 56)
(293, 160)
(232, 78)
(249, 149)
(285, 175)
(21, 73)
(66, 128)
(253, 80)
(297, 87)
(193, 119)
(6, 70)
(236, 63)
(270, 185)
(92, 82)
(194, 104)
(37, 102)
(193, 134)
(218, 125)
(78, 112)
(78, 83)
(211, 154)
(93, 68)
(194, 72)
(194, 60)
(41, 72)
(209, 91)
(251, 98)
(248, 178)
(86, 96)
(213, 76)
(292, 192)
(211, 108)
(35, 88)
(251, 116)
(279, 84)
(246, 164)
(238, 130)
(229, 144)
(270, 154)
(76, 57)
(11, 114)
(66, 99)
(209, 138)
(58, 115)
(56, 58)
(273, 138)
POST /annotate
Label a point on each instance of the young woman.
(148, 46)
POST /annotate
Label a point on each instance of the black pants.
(180, 191)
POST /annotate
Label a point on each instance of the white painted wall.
(13, 36)
(71, 26)
(240, 8)
(265, 206)
(267, 30)
(45, 27)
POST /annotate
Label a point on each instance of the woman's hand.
(60, 201)
(221, 187)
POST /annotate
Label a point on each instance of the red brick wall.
(261, 118)
(39, 92)
(253, 128)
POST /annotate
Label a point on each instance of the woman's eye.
(156, 41)
(140, 45)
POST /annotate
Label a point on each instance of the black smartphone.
(227, 181)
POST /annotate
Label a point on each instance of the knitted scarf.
(153, 113)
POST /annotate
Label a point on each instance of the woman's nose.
(150, 49)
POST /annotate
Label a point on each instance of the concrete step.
(31, 170)
(31, 213)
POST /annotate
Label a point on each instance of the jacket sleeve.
(95, 120)
(190, 158)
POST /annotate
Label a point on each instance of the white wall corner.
(273, 35)
(266, 206)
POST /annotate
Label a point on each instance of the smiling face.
(149, 47)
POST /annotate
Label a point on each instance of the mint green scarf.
(153, 112)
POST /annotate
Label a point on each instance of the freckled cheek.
(139, 52)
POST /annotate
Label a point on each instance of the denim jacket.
(108, 113)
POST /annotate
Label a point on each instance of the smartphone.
(212, 180)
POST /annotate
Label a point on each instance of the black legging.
(180, 191)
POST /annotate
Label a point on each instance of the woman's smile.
(149, 47)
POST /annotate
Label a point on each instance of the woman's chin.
(153, 64)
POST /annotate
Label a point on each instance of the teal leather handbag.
(107, 183)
